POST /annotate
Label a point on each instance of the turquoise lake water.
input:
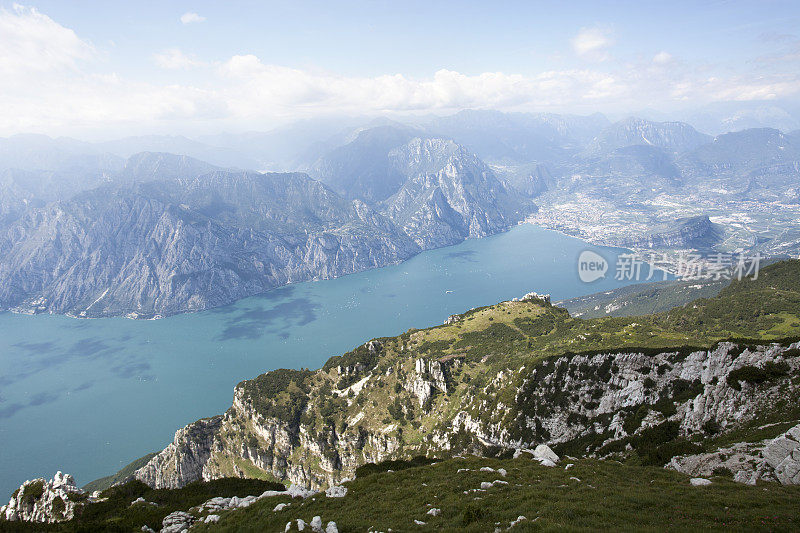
(88, 396)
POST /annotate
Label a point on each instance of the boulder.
(177, 522)
(783, 454)
(543, 451)
(336, 492)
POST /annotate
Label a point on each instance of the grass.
(609, 496)
(123, 475)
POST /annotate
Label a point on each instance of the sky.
(94, 69)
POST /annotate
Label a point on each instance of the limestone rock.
(543, 452)
(177, 522)
(40, 500)
(336, 492)
(783, 454)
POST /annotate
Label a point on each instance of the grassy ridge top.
(515, 333)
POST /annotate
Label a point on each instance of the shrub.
(374, 468)
(634, 421)
(472, 513)
(59, 506)
(683, 389)
(712, 427)
(792, 352)
(33, 491)
(722, 471)
(756, 375)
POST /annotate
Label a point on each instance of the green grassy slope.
(124, 474)
(590, 496)
(641, 299)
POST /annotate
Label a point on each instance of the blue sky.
(89, 67)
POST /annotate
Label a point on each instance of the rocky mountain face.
(606, 407)
(143, 252)
(692, 233)
(672, 137)
(743, 151)
(449, 194)
(517, 375)
(169, 234)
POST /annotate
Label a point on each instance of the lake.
(88, 396)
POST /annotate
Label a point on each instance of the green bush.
(472, 513)
(722, 471)
(33, 491)
(59, 506)
(756, 375)
(369, 469)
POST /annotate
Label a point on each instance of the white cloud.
(592, 43)
(51, 81)
(31, 41)
(191, 18)
(662, 58)
(174, 59)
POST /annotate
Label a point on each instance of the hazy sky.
(87, 68)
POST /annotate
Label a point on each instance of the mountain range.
(167, 234)
(92, 229)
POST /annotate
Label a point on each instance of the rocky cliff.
(513, 376)
(601, 403)
(449, 194)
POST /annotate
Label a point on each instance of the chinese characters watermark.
(686, 266)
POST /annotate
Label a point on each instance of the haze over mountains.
(158, 225)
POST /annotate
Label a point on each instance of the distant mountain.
(529, 180)
(224, 157)
(691, 232)
(725, 117)
(436, 190)
(449, 194)
(512, 138)
(640, 160)
(39, 153)
(169, 233)
(159, 166)
(170, 246)
(742, 152)
(362, 168)
(672, 137)
(295, 146)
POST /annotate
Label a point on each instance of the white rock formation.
(40, 500)
(783, 454)
(337, 491)
(177, 522)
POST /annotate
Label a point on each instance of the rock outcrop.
(41, 500)
(783, 455)
(184, 459)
